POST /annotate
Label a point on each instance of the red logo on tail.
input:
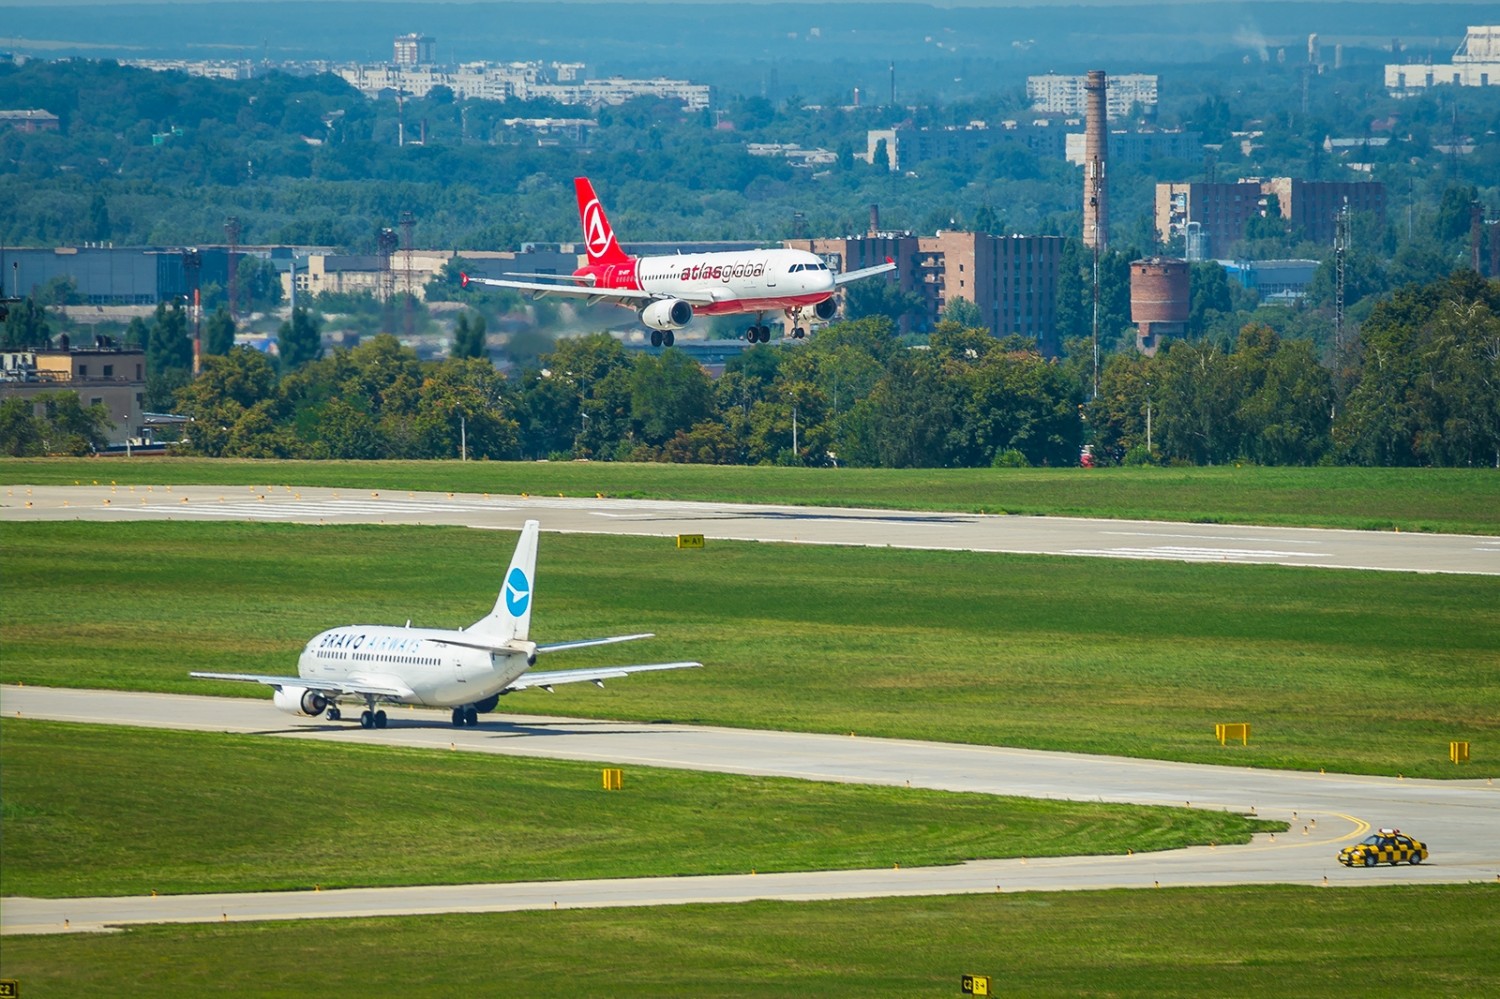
(598, 236)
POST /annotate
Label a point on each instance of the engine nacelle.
(667, 314)
(300, 701)
(487, 705)
(826, 309)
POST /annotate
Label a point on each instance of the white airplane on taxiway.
(467, 670)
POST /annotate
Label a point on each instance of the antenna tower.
(408, 223)
(1341, 239)
(232, 230)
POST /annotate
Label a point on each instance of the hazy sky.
(741, 3)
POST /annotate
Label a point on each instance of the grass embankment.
(1175, 942)
(100, 810)
(1465, 501)
(1357, 672)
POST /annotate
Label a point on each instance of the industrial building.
(102, 374)
(1054, 93)
(1130, 146)
(1213, 216)
(1160, 300)
(29, 120)
(906, 145)
(1476, 63)
(1012, 279)
(106, 275)
(527, 81)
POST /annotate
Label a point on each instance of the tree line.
(1420, 385)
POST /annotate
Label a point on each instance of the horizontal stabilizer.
(584, 643)
(864, 272)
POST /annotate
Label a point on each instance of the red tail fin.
(597, 234)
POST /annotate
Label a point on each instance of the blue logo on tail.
(517, 592)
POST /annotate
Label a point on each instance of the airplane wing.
(597, 676)
(864, 272)
(628, 297)
(341, 688)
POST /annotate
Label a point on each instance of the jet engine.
(667, 314)
(826, 309)
(487, 705)
(300, 701)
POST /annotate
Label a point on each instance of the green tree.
(168, 348)
(1074, 315)
(1208, 295)
(21, 433)
(469, 336)
(26, 327)
(68, 427)
(218, 333)
(300, 340)
(883, 297)
(965, 313)
(668, 393)
(99, 228)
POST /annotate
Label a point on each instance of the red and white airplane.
(668, 291)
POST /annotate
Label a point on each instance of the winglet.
(463, 279)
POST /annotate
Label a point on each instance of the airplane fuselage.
(412, 659)
(732, 282)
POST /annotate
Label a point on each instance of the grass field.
(1448, 500)
(1373, 942)
(244, 813)
(1356, 672)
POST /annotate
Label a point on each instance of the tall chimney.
(1095, 156)
(874, 220)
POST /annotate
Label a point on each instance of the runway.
(1218, 543)
(1459, 820)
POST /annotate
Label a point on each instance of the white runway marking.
(288, 511)
(1186, 554)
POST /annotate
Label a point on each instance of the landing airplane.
(467, 670)
(668, 291)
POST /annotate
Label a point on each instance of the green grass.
(1356, 672)
(1375, 942)
(246, 813)
(1409, 499)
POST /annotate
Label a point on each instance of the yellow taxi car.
(1385, 846)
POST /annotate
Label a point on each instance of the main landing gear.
(369, 718)
(662, 338)
(466, 716)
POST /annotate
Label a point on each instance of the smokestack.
(1095, 157)
(893, 84)
(874, 220)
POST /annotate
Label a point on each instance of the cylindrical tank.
(1159, 291)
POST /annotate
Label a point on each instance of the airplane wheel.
(380, 719)
(366, 720)
(458, 717)
(765, 334)
(798, 333)
(333, 714)
(656, 338)
(471, 716)
(668, 338)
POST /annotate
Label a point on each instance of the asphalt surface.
(1390, 551)
(1459, 820)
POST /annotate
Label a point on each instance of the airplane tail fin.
(511, 617)
(598, 236)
